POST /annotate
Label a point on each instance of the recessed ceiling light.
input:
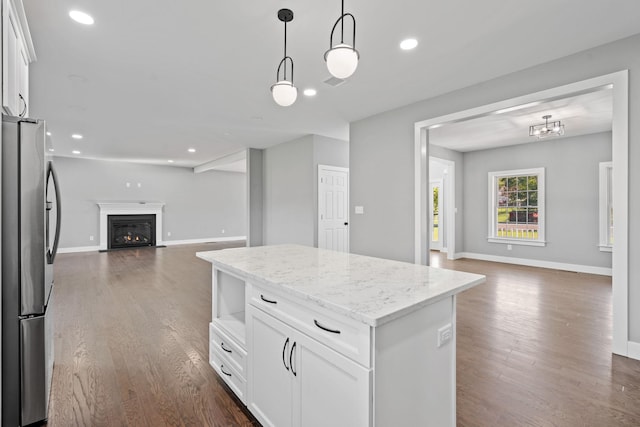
(408, 44)
(52, 150)
(75, 152)
(310, 92)
(191, 150)
(81, 17)
(170, 161)
(48, 133)
(76, 136)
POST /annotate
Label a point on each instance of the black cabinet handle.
(222, 370)
(24, 110)
(267, 300)
(346, 223)
(291, 359)
(225, 349)
(284, 350)
(324, 328)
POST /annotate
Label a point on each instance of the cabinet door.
(270, 378)
(330, 389)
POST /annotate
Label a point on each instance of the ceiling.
(153, 78)
(581, 115)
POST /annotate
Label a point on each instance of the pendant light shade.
(283, 91)
(342, 58)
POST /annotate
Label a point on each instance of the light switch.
(360, 210)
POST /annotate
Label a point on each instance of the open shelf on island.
(229, 304)
(234, 324)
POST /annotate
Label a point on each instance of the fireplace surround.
(129, 208)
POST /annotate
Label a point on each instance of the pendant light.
(283, 91)
(342, 59)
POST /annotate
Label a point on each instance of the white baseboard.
(603, 271)
(78, 249)
(206, 240)
(165, 243)
(633, 350)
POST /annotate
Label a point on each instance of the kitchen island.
(311, 337)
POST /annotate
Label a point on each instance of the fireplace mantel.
(129, 208)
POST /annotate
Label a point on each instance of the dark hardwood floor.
(131, 339)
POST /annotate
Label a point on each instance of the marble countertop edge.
(380, 315)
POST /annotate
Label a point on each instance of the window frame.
(605, 204)
(493, 207)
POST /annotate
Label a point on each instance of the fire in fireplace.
(126, 231)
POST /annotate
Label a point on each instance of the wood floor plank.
(131, 346)
(534, 349)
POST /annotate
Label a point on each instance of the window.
(516, 207)
(606, 207)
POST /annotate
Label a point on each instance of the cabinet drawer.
(230, 376)
(344, 335)
(234, 355)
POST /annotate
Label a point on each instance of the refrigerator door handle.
(51, 174)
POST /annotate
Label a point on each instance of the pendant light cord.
(342, 29)
(285, 49)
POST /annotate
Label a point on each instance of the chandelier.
(546, 129)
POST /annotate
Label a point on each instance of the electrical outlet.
(168, 234)
(223, 231)
(445, 334)
(91, 238)
(509, 247)
(359, 210)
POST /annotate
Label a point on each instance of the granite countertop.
(371, 290)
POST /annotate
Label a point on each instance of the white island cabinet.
(310, 337)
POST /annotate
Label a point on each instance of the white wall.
(387, 140)
(197, 206)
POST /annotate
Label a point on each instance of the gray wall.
(386, 141)
(290, 191)
(196, 205)
(254, 197)
(571, 197)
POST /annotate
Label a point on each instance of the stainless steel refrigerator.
(30, 230)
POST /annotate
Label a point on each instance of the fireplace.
(129, 231)
(108, 208)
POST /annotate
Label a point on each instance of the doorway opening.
(618, 83)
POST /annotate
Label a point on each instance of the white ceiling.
(581, 115)
(154, 77)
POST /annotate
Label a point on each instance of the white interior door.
(436, 219)
(333, 208)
